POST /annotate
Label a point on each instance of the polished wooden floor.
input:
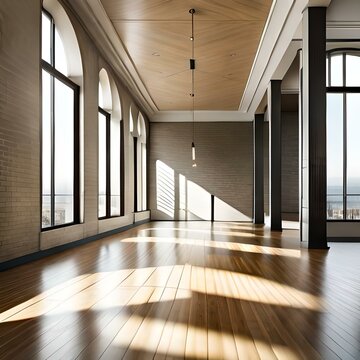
(185, 290)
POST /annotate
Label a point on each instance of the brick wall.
(290, 162)
(19, 128)
(224, 153)
(20, 119)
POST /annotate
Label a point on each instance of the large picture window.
(343, 133)
(60, 132)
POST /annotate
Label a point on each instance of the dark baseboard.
(344, 239)
(6, 265)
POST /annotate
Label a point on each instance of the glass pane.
(115, 166)
(102, 165)
(139, 125)
(46, 133)
(64, 146)
(327, 71)
(334, 144)
(352, 70)
(46, 38)
(353, 207)
(100, 96)
(353, 143)
(64, 209)
(131, 122)
(102, 205)
(335, 207)
(60, 56)
(46, 211)
(139, 176)
(115, 205)
(336, 71)
(143, 173)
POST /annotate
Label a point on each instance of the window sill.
(58, 226)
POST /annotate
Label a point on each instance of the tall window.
(141, 164)
(138, 131)
(343, 133)
(60, 132)
(109, 149)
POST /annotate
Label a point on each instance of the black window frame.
(55, 74)
(343, 90)
(108, 165)
(108, 168)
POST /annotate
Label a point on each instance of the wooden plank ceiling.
(156, 35)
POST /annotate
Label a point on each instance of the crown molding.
(201, 116)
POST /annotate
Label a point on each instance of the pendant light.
(192, 69)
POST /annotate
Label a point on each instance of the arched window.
(109, 149)
(343, 132)
(60, 119)
(138, 132)
(141, 164)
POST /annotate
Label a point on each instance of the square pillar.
(258, 131)
(313, 202)
(274, 112)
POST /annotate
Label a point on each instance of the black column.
(314, 129)
(274, 111)
(258, 130)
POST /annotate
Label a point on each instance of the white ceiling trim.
(287, 60)
(201, 116)
(281, 28)
(272, 32)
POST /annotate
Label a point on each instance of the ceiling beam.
(282, 24)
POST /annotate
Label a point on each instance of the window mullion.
(135, 175)
(345, 154)
(122, 170)
(76, 180)
(52, 43)
(344, 69)
(52, 121)
(108, 165)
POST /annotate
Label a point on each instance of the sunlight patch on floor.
(251, 248)
(84, 291)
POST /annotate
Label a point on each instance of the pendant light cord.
(192, 12)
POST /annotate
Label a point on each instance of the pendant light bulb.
(193, 151)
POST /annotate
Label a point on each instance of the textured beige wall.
(224, 161)
(290, 163)
(20, 120)
(19, 128)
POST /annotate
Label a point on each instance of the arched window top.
(60, 48)
(108, 95)
(141, 127)
(131, 121)
(105, 100)
(343, 68)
